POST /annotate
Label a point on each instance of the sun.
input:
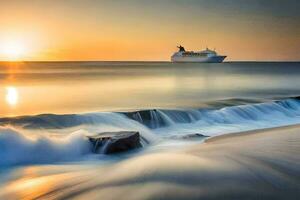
(12, 50)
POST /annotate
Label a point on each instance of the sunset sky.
(148, 29)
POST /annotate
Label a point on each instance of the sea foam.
(16, 148)
(55, 138)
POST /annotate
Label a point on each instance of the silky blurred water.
(75, 87)
(48, 156)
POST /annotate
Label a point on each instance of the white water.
(233, 119)
(24, 145)
(17, 148)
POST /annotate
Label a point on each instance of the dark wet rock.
(154, 118)
(115, 142)
(297, 97)
(150, 118)
(189, 136)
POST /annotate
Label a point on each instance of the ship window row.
(194, 54)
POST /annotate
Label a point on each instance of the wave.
(157, 118)
(16, 148)
(211, 122)
(51, 138)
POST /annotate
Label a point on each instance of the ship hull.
(213, 59)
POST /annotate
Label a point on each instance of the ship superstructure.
(205, 56)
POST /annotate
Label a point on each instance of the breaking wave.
(51, 138)
(17, 148)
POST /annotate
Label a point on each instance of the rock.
(149, 118)
(297, 97)
(115, 142)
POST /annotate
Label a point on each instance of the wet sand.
(261, 164)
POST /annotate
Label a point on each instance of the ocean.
(49, 108)
(158, 99)
(82, 87)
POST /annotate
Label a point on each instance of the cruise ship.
(206, 56)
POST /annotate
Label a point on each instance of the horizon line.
(165, 61)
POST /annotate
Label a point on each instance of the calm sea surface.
(76, 87)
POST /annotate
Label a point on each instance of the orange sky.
(148, 30)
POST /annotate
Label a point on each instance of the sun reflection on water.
(12, 95)
(32, 184)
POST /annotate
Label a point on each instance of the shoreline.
(250, 132)
(261, 164)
